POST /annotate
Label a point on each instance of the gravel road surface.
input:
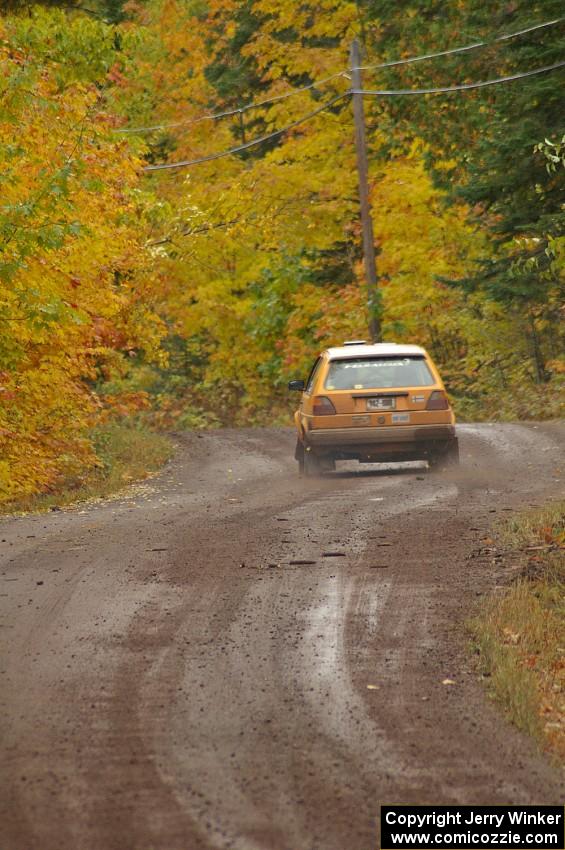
(188, 666)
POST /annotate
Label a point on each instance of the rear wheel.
(312, 466)
(299, 456)
(449, 457)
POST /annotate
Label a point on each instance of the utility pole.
(373, 294)
(242, 126)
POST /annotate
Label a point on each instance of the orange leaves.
(554, 535)
(115, 75)
(127, 404)
(72, 266)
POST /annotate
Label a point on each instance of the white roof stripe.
(376, 350)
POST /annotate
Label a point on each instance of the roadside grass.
(126, 451)
(519, 634)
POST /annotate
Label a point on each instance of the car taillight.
(323, 406)
(437, 401)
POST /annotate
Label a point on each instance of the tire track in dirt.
(168, 697)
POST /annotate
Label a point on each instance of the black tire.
(447, 458)
(299, 456)
(312, 468)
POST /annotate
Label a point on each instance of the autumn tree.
(76, 288)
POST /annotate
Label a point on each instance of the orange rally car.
(373, 403)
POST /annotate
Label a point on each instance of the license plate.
(381, 403)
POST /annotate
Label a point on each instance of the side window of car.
(312, 376)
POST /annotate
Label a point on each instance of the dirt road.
(173, 678)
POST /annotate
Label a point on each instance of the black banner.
(476, 827)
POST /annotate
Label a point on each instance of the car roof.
(379, 349)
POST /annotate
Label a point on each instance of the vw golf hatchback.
(373, 403)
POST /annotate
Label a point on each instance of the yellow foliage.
(236, 219)
(75, 286)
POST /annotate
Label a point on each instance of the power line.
(372, 92)
(277, 98)
(239, 111)
(463, 87)
(530, 29)
(185, 163)
(474, 46)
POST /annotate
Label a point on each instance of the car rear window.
(378, 373)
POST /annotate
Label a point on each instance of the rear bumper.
(344, 438)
